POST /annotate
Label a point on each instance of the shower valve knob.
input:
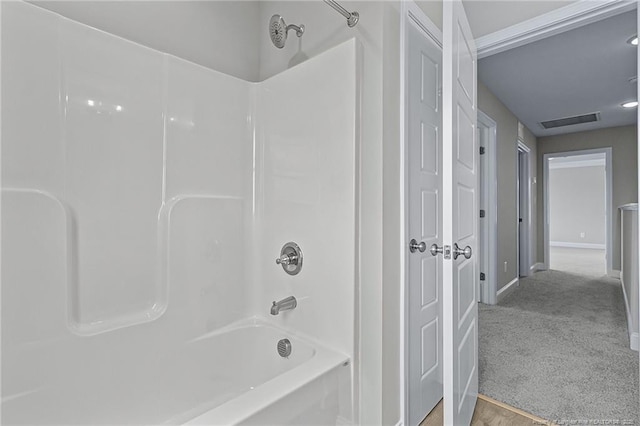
(287, 259)
(290, 258)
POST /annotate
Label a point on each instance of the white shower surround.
(145, 199)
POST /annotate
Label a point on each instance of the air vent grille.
(570, 121)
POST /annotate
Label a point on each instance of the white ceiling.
(577, 72)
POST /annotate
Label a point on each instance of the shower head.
(278, 30)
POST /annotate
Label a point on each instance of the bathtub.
(231, 376)
(265, 388)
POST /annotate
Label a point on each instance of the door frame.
(608, 197)
(489, 200)
(411, 15)
(523, 198)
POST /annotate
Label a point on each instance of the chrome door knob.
(413, 246)
(457, 251)
(434, 250)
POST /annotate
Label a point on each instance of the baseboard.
(341, 421)
(614, 273)
(507, 289)
(633, 335)
(537, 267)
(577, 245)
(633, 341)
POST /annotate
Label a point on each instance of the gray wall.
(507, 154)
(221, 35)
(623, 141)
(577, 205)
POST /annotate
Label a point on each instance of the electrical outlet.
(582, 235)
(505, 266)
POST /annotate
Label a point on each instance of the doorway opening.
(577, 206)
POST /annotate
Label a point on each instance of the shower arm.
(352, 17)
(298, 28)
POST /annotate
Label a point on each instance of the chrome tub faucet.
(285, 304)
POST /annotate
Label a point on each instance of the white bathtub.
(264, 388)
(232, 376)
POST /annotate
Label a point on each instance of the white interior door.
(460, 217)
(424, 120)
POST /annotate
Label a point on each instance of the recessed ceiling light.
(633, 41)
(631, 104)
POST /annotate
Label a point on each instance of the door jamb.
(490, 184)
(524, 270)
(410, 14)
(608, 196)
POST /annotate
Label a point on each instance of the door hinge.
(482, 150)
(482, 276)
(482, 213)
(447, 252)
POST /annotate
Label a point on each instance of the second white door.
(425, 223)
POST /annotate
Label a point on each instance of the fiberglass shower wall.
(119, 135)
(126, 176)
(142, 207)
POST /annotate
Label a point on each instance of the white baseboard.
(577, 245)
(504, 291)
(633, 335)
(537, 267)
(614, 273)
(633, 341)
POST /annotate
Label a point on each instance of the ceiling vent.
(570, 121)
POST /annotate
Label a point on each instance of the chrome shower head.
(278, 30)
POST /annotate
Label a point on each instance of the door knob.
(434, 249)
(457, 251)
(413, 246)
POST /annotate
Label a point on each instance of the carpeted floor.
(592, 262)
(557, 347)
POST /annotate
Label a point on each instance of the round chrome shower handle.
(457, 251)
(287, 259)
(290, 258)
(413, 246)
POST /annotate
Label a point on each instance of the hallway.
(557, 347)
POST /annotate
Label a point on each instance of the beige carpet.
(557, 347)
(591, 262)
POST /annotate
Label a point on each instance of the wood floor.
(489, 412)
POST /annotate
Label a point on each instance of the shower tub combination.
(142, 210)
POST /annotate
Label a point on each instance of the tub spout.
(283, 305)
